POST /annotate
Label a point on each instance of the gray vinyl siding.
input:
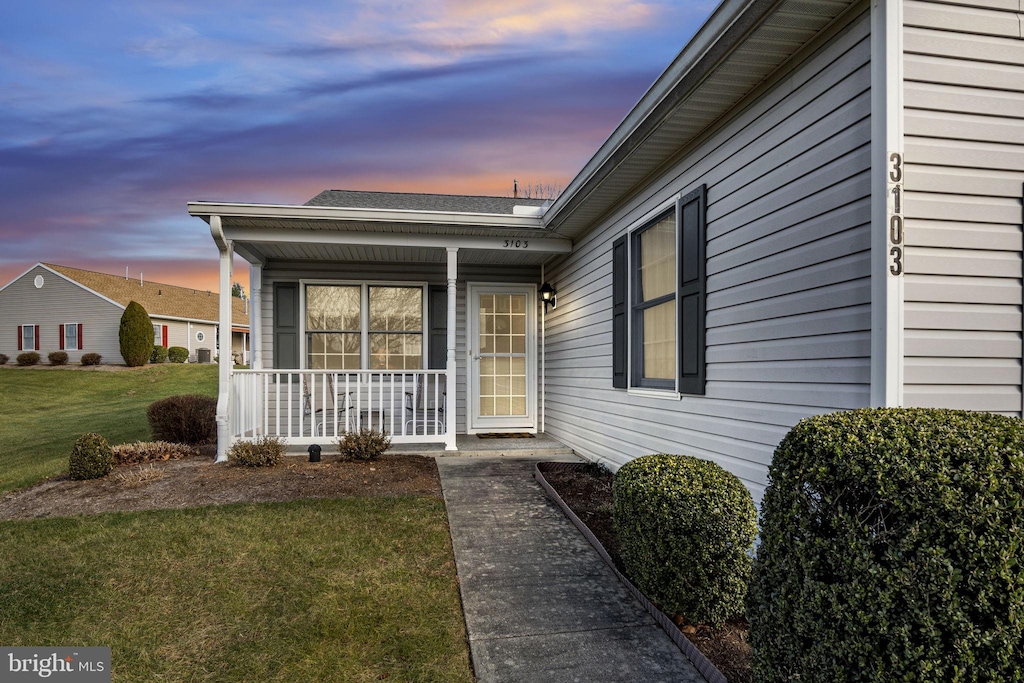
(964, 144)
(58, 302)
(183, 333)
(788, 286)
(428, 273)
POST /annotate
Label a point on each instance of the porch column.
(255, 316)
(449, 413)
(225, 364)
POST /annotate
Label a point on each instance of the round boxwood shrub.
(188, 418)
(57, 357)
(91, 457)
(263, 451)
(27, 358)
(891, 544)
(3, 359)
(159, 354)
(366, 444)
(177, 354)
(135, 335)
(91, 359)
(686, 527)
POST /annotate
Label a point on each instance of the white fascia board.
(198, 321)
(394, 239)
(330, 213)
(724, 16)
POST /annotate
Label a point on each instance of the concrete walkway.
(540, 604)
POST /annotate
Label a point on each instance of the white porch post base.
(450, 370)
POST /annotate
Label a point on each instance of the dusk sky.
(113, 115)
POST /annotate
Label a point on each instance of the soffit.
(717, 82)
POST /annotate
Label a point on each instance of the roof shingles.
(412, 201)
(158, 299)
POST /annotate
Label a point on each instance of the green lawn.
(328, 590)
(42, 412)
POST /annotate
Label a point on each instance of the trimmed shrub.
(890, 550)
(151, 451)
(263, 451)
(91, 359)
(686, 527)
(135, 335)
(91, 457)
(188, 418)
(27, 358)
(57, 358)
(159, 354)
(177, 354)
(366, 444)
(3, 359)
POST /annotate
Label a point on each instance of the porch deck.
(469, 445)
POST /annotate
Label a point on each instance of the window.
(69, 332)
(28, 338)
(200, 336)
(350, 327)
(158, 334)
(658, 289)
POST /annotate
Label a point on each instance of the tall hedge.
(135, 335)
(892, 549)
(686, 527)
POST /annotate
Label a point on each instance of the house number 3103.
(517, 244)
(895, 236)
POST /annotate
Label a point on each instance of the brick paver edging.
(706, 668)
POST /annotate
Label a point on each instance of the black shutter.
(620, 347)
(692, 278)
(437, 309)
(286, 325)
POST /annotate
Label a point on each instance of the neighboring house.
(817, 207)
(57, 308)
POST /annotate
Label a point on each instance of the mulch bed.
(197, 481)
(587, 490)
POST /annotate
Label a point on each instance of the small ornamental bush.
(57, 358)
(686, 527)
(264, 451)
(151, 451)
(366, 444)
(177, 354)
(91, 359)
(891, 544)
(27, 358)
(188, 418)
(91, 457)
(3, 359)
(135, 335)
(159, 354)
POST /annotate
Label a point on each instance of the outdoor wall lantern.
(549, 296)
(314, 453)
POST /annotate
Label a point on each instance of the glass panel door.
(503, 345)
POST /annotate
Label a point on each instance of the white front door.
(502, 348)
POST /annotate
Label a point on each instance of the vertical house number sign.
(895, 237)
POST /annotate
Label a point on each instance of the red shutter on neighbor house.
(81, 344)
(61, 337)
(20, 338)
(164, 334)
(37, 337)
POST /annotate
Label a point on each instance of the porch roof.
(261, 232)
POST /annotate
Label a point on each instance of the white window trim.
(33, 328)
(364, 317)
(78, 342)
(635, 226)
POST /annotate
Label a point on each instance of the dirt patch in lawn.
(198, 481)
(587, 490)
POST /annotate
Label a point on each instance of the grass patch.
(344, 590)
(44, 411)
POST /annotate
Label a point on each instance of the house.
(58, 308)
(816, 207)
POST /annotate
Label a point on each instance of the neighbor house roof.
(160, 300)
(416, 201)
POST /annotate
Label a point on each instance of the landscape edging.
(703, 664)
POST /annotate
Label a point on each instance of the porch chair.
(327, 414)
(419, 411)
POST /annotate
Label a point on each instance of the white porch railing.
(315, 406)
